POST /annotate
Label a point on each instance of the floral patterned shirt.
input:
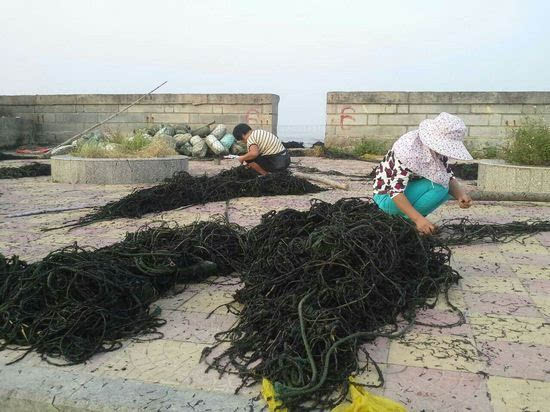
(392, 176)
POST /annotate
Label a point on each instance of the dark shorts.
(274, 163)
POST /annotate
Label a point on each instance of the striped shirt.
(267, 142)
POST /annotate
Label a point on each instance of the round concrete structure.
(517, 182)
(70, 169)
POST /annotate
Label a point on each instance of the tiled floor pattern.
(499, 360)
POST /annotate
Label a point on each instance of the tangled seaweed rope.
(465, 231)
(318, 284)
(77, 302)
(184, 190)
(31, 170)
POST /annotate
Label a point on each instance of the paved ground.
(498, 361)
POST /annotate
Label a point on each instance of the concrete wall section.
(62, 116)
(15, 131)
(352, 116)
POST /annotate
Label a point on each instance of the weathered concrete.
(352, 116)
(70, 169)
(15, 131)
(497, 361)
(62, 116)
(41, 390)
(496, 176)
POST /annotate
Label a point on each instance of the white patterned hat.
(445, 135)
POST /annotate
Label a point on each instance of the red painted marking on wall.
(345, 116)
(251, 116)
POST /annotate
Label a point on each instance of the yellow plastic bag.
(363, 401)
(268, 393)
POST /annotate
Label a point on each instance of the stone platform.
(70, 169)
(499, 360)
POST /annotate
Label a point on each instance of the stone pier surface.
(70, 169)
(499, 360)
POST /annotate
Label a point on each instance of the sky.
(298, 49)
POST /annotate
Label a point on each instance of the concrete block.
(168, 118)
(430, 97)
(488, 131)
(496, 108)
(217, 108)
(473, 97)
(18, 100)
(104, 109)
(373, 131)
(402, 108)
(378, 108)
(495, 119)
(64, 127)
(15, 132)
(463, 108)
(28, 116)
(77, 117)
(354, 120)
(522, 97)
(529, 109)
(100, 99)
(367, 97)
(248, 99)
(142, 108)
(44, 117)
(511, 120)
(401, 119)
(52, 99)
(242, 108)
(269, 109)
(332, 108)
(69, 169)
(55, 108)
(131, 117)
(543, 109)
(191, 108)
(372, 119)
(433, 108)
(494, 177)
(14, 109)
(476, 119)
(235, 119)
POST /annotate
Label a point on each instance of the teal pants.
(423, 194)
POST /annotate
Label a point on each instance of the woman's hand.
(424, 226)
(464, 201)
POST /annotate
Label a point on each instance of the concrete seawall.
(60, 117)
(352, 116)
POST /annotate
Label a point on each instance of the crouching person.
(265, 152)
(414, 178)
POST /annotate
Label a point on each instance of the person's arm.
(422, 224)
(457, 191)
(253, 153)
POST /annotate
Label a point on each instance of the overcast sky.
(298, 49)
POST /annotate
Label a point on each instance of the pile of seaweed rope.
(317, 285)
(31, 170)
(77, 301)
(183, 190)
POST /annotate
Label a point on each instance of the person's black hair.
(240, 130)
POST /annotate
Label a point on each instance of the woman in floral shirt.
(414, 179)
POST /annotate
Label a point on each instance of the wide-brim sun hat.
(445, 135)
